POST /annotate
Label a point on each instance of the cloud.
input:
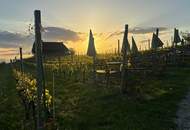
(138, 30)
(4, 50)
(145, 30)
(12, 39)
(62, 34)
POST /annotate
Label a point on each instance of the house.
(53, 49)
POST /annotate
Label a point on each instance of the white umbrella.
(125, 46)
(156, 42)
(177, 38)
(91, 47)
(134, 48)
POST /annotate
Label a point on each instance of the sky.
(70, 21)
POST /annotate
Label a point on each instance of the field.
(83, 105)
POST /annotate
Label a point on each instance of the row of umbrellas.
(156, 42)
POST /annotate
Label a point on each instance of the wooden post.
(15, 59)
(174, 47)
(59, 61)
(167, 44)
(21, 60)
(149, 47)
(118, 47)
(39, 67)
(84, 74)
(107, 77)
(94, 68)
(172, 42)
(78, 57)
(115, 51)
(53, 96)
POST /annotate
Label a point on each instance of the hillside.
(86, 106)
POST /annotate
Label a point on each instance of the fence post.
(21, 60)
(94, 68)
(118, 51)
(59, 62)
(39, 67)
(149, 46)
(84, 75)
(53, 96)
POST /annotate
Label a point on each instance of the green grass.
(82, 106)
(88, 106)
(11, 111)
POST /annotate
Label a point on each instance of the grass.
(88, 106)
(84, 107)
(11, 111)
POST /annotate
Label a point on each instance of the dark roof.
(52, 48)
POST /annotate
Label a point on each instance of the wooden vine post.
(149, 44)
(21, 60)
(53, 95)
(118, 47)
(94, 68)
(39, 69)
(177, 40)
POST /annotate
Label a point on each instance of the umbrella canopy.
(156, 42)
(177, 38)
(91, 47)
(125, 46)
(134, 48)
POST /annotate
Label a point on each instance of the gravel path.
(183, 114)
